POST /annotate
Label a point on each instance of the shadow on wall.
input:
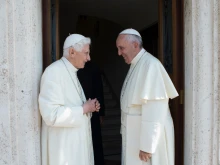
(103, 34)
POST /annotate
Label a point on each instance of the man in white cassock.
(146, 123)
(66, 130)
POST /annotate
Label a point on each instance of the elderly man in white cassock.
(146, 122)
(66, 129)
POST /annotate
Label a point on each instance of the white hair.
(78, 46)
(134, 38)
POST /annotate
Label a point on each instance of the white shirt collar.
(69, 65)
(138, 56)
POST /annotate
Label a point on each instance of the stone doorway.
(64, 10)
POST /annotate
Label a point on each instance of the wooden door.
(50, 16)
(171, 55)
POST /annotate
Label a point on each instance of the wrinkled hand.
(97, 105)
(91, 106)
(144, 156)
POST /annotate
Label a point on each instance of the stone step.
(110, 103)
(110, 126)
(107, 138)
(107, 92)
(113, 113)
(111, 136)
(104, 84)
(106, 89)
(115, 158)
(112, 117)
(112, 120)
(111, 131)
(108, 96)
(111, 123)
(112, 147)
(113, 109)
(112, 162)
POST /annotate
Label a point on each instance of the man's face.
(126, 49)
(81, 57)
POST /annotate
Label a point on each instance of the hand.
(97, 105)
(90, 106)
(144, 156)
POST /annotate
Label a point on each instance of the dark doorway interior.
(102, 21)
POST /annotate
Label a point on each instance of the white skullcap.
(131, 31)
(72, 40)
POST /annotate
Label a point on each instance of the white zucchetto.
(72, 40)
(130, 31)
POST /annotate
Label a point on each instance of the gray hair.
(78, 46)
(134, 38)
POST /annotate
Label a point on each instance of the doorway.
(160, 24)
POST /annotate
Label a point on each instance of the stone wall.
(20, 71)
(202, 82)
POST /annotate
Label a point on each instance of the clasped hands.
(144, 156)
(91, 105)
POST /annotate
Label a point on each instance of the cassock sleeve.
(51, 103)
(154, 114)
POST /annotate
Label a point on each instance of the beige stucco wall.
(20, 71)
(202, 82)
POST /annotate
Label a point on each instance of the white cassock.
(66, 131)
(146, 123)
